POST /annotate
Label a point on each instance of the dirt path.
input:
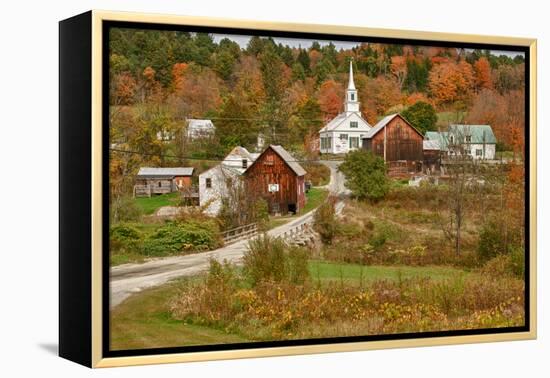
(128, 279)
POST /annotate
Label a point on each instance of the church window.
(352, 96)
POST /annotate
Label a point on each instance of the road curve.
(128, 279)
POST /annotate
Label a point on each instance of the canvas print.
(282, 188)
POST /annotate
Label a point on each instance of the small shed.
(432, 155)
(151, 180)
(278, 178)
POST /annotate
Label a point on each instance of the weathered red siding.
(270, 168)
(403, 143)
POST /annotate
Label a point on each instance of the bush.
(124, 209)
(318, 174)
(177, 237)
(511, 264)
(498, 236)
(324, 221)
(124, 237)
(270, 259)
(366, 175)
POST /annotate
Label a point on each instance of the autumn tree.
(365, 175)
(398, 69)
(450, 82)
(422, 116)
(331, 97)
(377, 96)
(482, 70)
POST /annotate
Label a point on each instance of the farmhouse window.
(244, 163)
(209, 182)
(343, 136)
(160, 184)
(479, 152)
(452, 139)
(353, 142)
(354, 124)
(468, 138)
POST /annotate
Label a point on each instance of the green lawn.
(351, 273)
(144, 321)
(151, 204)
(446, 118)
(315, 197)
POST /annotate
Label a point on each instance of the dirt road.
(128, 279)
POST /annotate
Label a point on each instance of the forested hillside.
(160, 78)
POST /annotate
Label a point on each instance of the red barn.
(397, 142)
(278, 178)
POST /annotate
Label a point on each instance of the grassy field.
(446, 118)
(144, 320)
(354, 273)
(149, 205)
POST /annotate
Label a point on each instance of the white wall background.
(28, 148)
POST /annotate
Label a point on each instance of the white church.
(346, 131)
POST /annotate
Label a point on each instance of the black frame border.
(106, 352)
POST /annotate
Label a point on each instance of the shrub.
(366, 175)
(124, 209)
(318, 174)
(498, 236)
(124, 237)
(511, 264)
(270, 259)
(177, 237)
(324, 221)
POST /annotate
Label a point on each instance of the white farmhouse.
(345, 132)
(214, 184)
(477, 141)
(199, 128)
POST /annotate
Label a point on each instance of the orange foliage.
(331, 95)
(178, 72)
(450, 81)
(124, 87)
(482, 73)
(415, 97)
(379, 95)
(398, 68)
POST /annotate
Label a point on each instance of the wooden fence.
(238, 233)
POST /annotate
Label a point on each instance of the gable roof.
(242, 152)
(287, 158)
(168, 172)
(340, 119)
(383, 122)
(221, 169)
(480, 134)
(431, 144)
(292, 163)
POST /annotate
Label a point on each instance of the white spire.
(351, 104)
(351, 84)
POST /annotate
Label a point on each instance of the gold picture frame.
(90, 329)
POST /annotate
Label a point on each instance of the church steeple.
(352, 102)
